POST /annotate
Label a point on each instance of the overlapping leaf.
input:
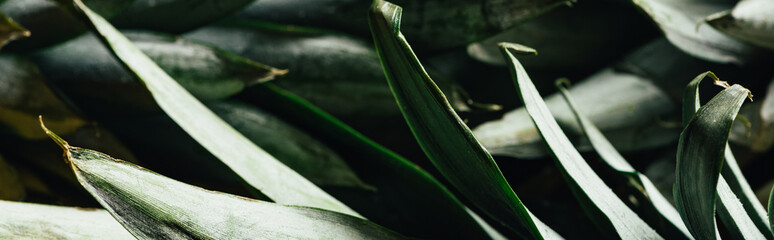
(607, 211)
(699, 170)
(151, 206)
(10, 31)
(750, 21)
(176, 16)
(255, 166)
(672, 227)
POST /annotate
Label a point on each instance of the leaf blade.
(29, 220)
(254, 165)
(576, 171)
(444, 138)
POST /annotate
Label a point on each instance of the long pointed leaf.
(446, 140)
(151, 206)
(643, 187)
(37, 221)
(732, 175)
(605, 208)
(254, 165)
(750, 20)
(700, 157)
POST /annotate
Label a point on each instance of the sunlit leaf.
(609, 213)
(255, 166)
(682, 23)
(37, 221)
(151, 206)
(666, 220)
(750, 20)
(443, 136)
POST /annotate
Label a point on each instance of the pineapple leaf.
(415, 198)
(731, 174)
(251, 163)
(443, 136)
(750, 21)
(678, 20)
(151, 206)
(608, 212)
(10, 30)
(642, 187)
(38, 221)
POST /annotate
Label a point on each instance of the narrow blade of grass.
(642, 187)
(700, 156)
(607, 211)
(730, 169)
(151, 206)
(443, 136)
(251, 163)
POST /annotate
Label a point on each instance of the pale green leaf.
(750, 20)
(255, 166)
(151, 206)
(37, 221)
(608, 212)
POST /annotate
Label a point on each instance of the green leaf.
(409, 200)
(37, 221)
(458, 22)
(151, 206)
(94, 79)
(750, 21)
(731, 172)
(623, 105)
(10, 30)
(25, 95)
(771, 208)
(175, 16)
(682, 23)
(443, 136)
(608, 212)
(255, 166)
(700, 156)
(49, 23)
(666, 221)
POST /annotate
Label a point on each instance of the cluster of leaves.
(199, 107)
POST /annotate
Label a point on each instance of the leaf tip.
(58, 140)
(517, 48)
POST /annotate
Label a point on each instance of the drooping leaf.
(666, 220)
(24, 95)
(750, 21)
(10, 30)
(443, 136)
(176, 16)
(609, 213)
(408, 199)
(49, 23)
(255, 166)
(570, 38)
(700, 156)
(732, 174)
(97, 82)
(458, 22)
(734, 216)
(151, 206)
(37, 221)
(623, 105)
(682, 23)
